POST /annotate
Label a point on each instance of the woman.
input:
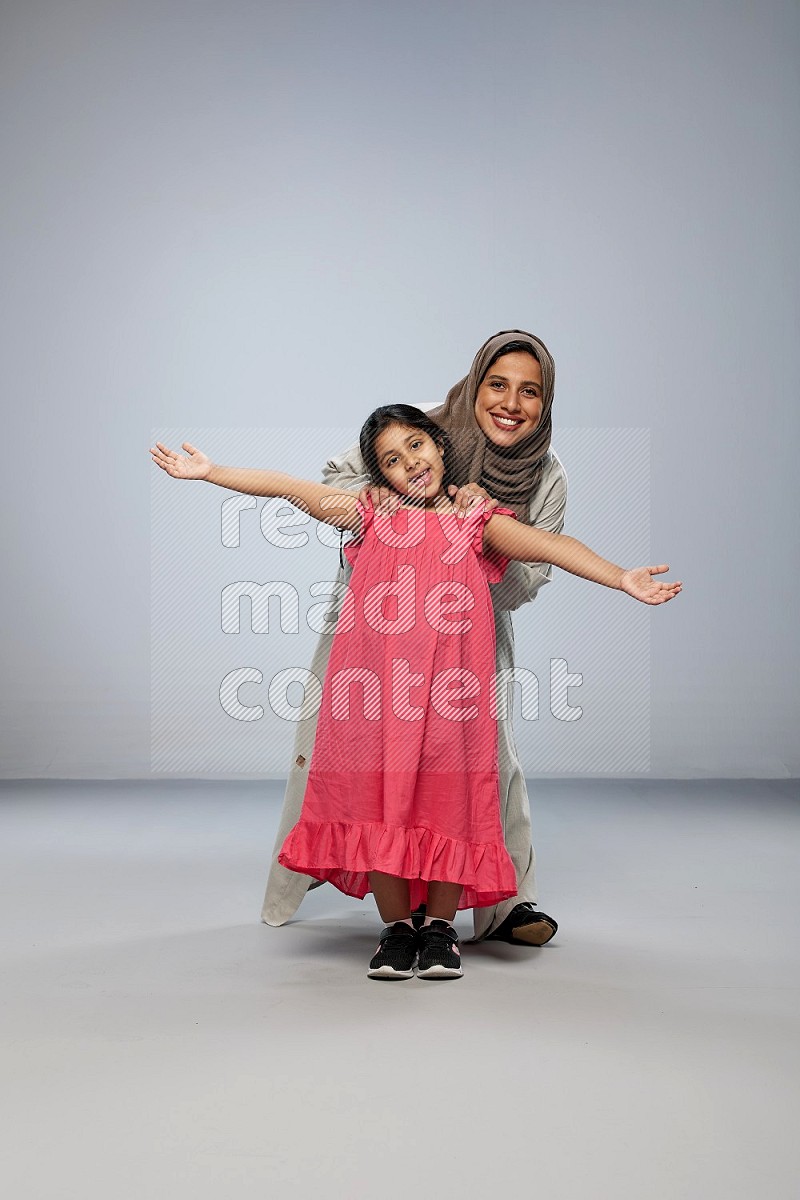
(499, 420)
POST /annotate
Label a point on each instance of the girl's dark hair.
(412, 418)
(509, 348)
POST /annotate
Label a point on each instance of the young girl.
(402, 793)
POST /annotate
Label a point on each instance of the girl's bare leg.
(392, 896)
(443, 900)
(393, 899)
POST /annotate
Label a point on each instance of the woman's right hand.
(383, 499)
(196, 466)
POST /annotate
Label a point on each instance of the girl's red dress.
(403, 777)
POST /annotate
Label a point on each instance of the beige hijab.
(511, 475)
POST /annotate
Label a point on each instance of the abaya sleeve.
(522, 581)
(346, 471)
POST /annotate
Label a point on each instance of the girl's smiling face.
(410, 461)
(508, 406)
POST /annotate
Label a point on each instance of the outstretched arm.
(523, 543)
(334, 506)
(331, 505)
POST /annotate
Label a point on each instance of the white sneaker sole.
(387, 972)
(439, 972)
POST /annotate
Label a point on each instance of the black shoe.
(418, 916)
(396, 954)
(525, 926)
(439, 952)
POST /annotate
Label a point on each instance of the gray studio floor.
(159, 1041)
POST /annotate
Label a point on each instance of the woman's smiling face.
(410, 461)
(508, 406)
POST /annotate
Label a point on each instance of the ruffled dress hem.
(319, 848)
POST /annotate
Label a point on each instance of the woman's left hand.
(467, 496)
(638, 582)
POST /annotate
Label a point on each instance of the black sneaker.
(439, 952)
(396, 955)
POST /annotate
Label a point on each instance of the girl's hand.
(638, 583)
(384, 500)
(467, 496)
(196, 466)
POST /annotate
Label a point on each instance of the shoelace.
(439, 938)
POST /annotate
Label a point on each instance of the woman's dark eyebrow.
(525, 382)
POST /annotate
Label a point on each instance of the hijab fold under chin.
(511, 474)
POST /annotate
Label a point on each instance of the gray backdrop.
(272, 215)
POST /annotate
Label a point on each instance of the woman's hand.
(384, 500)
(467, 496)
(638, 583)
(196, 466)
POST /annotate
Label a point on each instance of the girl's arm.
(523, 543)
(334, 506)
(331, 505)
